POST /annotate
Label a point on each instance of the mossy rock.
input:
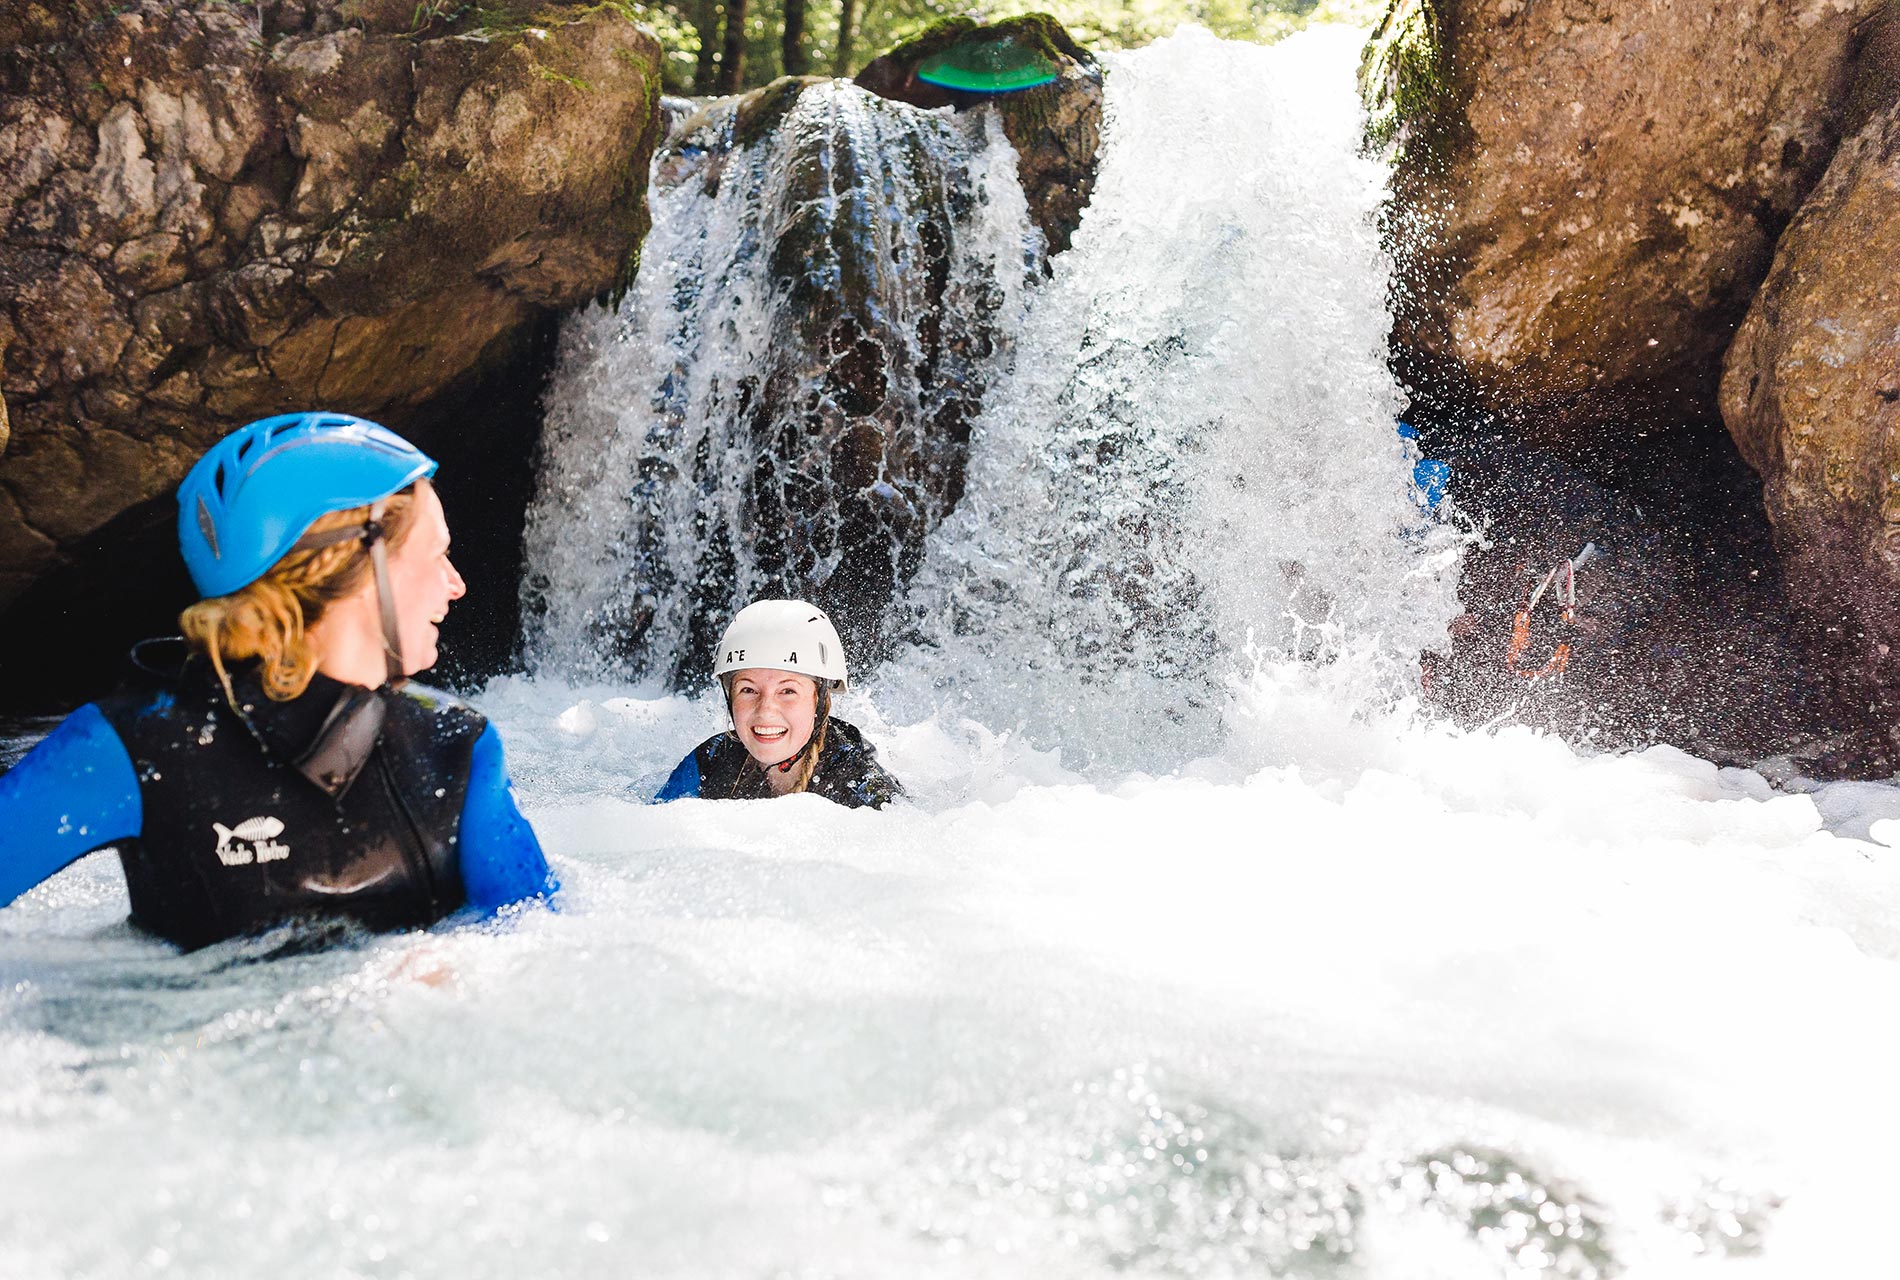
(498, 18)
(376, 201)
(1404, 75)
(1055, 127)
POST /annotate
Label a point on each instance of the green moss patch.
(501, 18)
(1404, 76)
(555, 77)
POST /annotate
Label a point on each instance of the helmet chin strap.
(373, 536)
(823, 713)
(385, 595)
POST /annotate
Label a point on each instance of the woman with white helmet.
(779, 663)
(277, 763)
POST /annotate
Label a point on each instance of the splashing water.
(779, 405)
(1276, 985)
(1189, 468)
(1193, 467)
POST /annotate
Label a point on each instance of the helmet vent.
(208, 527)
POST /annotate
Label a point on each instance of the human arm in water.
(872, 787)
(74, 792)
(683, 782)
(502, 861)
(851, 773)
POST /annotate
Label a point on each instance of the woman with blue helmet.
(276, 762)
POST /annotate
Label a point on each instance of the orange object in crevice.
(1520, 641)
(1563, 576)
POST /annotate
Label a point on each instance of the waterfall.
(780, 404)
(1184, 465)
(1192, 467)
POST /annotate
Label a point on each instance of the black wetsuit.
(391, 808)
(848, 772)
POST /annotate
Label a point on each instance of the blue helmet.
(245, 504)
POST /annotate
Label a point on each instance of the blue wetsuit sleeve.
(683, 783)
(501, 860)
(73, 793)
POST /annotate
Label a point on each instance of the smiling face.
(773, 712)
(423, 581)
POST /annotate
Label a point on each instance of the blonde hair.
(801, 777)
(808, 763)
(271, 618)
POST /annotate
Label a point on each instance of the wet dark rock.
(1811, 394)
(1681, 631)
(1056, 128)
(1577, 242)
(210, 212)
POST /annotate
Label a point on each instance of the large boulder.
(1056, 128)
(1811, 393)
(210, 212)
(1588, 192)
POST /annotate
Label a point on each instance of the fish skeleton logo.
(252, 840)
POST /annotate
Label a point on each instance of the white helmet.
(783, 635)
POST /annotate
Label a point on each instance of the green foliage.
(1137, 22)
(430, 12)
(679, 45)
(1403, 78)
(884, 24)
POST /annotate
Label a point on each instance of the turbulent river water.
(1196, 952)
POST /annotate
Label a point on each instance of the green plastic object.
(987, 66)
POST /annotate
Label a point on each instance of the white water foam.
(1341, 994)
(1193, 465)
(1431, 1004)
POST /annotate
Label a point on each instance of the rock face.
(1811, 393)
(1055, 128)
(210, 212)
(1592, 189)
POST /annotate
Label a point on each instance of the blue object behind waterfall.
(1430, 476)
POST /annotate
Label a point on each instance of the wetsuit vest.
(848, 772)
(341, 802)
